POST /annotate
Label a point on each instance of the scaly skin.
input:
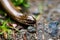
(16, 15)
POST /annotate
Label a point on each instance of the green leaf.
(1, 33)
(20, 1)
(26, 5)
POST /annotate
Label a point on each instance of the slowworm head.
(28, 20)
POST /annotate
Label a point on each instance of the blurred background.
(46, 13)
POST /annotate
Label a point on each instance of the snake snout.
(31, 20)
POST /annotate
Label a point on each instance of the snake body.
(17, 15)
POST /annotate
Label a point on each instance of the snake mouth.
(30, 21)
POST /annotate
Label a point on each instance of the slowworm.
(17, 15)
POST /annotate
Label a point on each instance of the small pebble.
(23, 31)
(50, 39)
(14, 25)
(31, 29)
